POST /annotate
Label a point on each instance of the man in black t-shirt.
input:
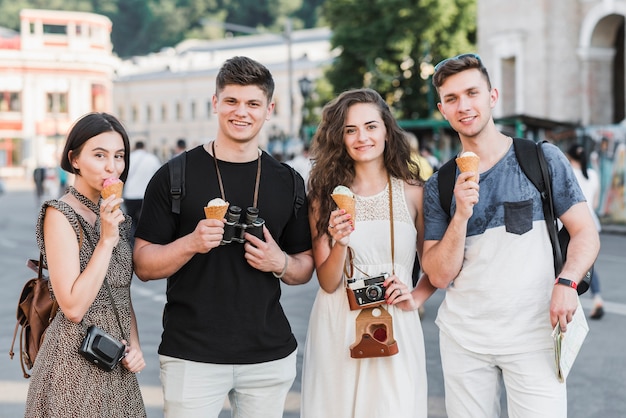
(225, 332)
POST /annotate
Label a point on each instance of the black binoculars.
(234, 229)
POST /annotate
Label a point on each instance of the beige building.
(57, 68)
(563, 62)
(167, 95)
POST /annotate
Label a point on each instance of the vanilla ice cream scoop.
(468, 161)
(344, 198)
(216, 208)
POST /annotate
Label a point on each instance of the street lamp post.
(306, 87)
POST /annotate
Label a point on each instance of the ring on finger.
(330, 226)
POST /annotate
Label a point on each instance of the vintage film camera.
(366, 292)
(374, 334)
(234, 229)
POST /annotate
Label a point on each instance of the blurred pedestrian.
(427, 153)
(302, 163)
(143, 165)
(589, 182)
(63, 176)
(181, 146)
(39, 177)
(426, 170)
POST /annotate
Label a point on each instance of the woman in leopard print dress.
(85, 239)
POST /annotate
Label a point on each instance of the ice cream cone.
(468, 163)
(346, 203)
(113, 189)
(215, 212)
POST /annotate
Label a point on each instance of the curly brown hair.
(332, 165)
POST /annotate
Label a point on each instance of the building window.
(508, 96)
(149, 113)
(135, 115)
(192, 110)
(98, 98)
(10, 101)
(54, 29)
(208, 109)
(163, 113)
(179, 111)
(56, 103)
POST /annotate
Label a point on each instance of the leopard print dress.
(63, 383)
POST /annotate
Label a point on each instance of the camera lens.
(374, 293)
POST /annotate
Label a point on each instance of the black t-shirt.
(220, 309)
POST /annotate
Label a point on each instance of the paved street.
(597, 383)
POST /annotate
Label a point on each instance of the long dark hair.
(85, 128)
(333, 166)
(577, 153)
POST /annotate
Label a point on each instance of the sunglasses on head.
(458, 57)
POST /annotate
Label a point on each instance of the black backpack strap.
(299, 193)
(445, 182)
(534, 165)
(177, 180)
(526, 152)
(549, 214)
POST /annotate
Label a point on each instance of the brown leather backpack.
(35, 310)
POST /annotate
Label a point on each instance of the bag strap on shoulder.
(533, 162)
(177, 180)
(299, 193)
(445, 183)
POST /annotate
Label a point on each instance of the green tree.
(389, 45)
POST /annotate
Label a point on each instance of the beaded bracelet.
(282, 273)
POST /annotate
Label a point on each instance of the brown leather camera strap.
(348, 268)
(256, 182)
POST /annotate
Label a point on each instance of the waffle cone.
(113, 189)
(347, 203)
(469, 163)
(215, 212)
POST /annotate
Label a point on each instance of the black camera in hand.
(367, 292)
(234, 229)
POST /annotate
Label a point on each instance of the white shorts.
(198, 390)
(473, 383)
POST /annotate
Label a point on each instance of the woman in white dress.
(359, 144)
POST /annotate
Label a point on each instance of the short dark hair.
(181, 143)
(140, 145)
(455, 65)
(244, 71)
(85, 128)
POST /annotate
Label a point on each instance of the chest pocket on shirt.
(518, 216)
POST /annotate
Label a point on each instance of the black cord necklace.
(256, 182)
